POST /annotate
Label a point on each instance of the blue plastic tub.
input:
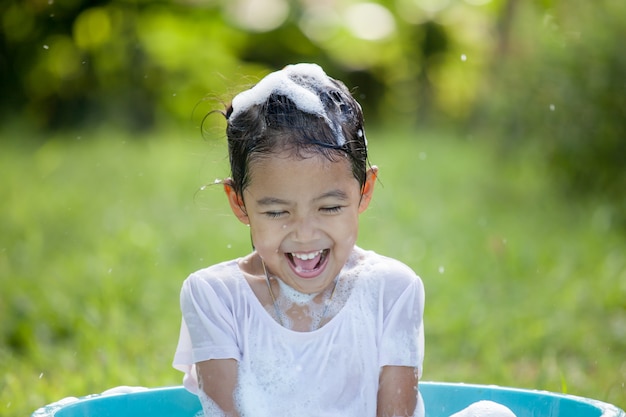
(441, 399)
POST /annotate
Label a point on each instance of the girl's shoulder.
(220, 278)
(381, 278)
(367, 263)
(219, 271)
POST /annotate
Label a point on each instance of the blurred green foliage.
(562, 89)
(545, 72)
(137, 63)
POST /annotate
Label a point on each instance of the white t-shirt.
(331, 371)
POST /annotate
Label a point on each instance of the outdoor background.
(498, 126)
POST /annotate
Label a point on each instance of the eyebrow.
(269, 201)
(339, 194)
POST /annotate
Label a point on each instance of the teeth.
(306, 256)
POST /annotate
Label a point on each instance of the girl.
(308, 324)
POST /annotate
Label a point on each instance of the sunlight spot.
(477, 2)
(92, 28)
(319, 23)
(432, 6)
(258, 15)
(370, 21)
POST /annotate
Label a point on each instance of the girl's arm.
(397, 391)
(218, 379)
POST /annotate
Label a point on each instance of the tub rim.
(608, 410)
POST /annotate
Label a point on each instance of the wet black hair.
(278, 125)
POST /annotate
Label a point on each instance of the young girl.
(308, 324)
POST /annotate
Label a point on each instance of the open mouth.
(308, 264)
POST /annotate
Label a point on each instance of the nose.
(305, 229)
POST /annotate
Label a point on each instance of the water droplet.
(46, 47)
(422, 156)
(463, 57)
(173, 94)
(441, 269)
(229, 246)
(41, 375)
(552, 107)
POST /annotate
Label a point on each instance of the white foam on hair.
(301, 83)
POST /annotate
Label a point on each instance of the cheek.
(264, 236)
(348, 228)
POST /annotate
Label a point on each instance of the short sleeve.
(402, 341)
(208, 328)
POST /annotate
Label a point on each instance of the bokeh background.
(499, 127)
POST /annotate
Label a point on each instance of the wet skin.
(303, 216)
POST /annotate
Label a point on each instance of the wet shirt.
(330, 371)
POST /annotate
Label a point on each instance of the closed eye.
(275, 214)
(331, 210)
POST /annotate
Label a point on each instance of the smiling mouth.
(307, 263)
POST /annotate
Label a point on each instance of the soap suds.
(303, 84)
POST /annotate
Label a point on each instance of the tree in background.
(68, 63)
(558, 85)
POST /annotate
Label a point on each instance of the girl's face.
(303, 216)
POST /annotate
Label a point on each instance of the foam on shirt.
(301, 83)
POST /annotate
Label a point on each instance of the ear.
(368, 188)
(236, 202)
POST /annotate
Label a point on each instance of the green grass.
(98, 231)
